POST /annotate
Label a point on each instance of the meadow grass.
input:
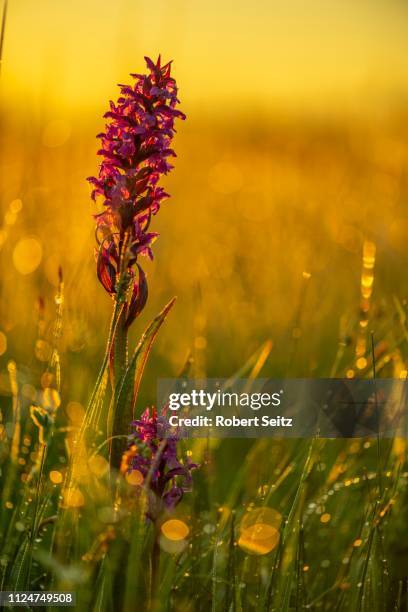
(68, 522)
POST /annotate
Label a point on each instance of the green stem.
(154, 583)
(120, 351)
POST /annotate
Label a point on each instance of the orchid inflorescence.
(135, 150)
(155, 458)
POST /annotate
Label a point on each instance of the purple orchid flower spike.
(156, 459)
(135, 151)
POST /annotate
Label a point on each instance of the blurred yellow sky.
(284, 56)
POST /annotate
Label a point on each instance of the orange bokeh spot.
(174, 529)
(55, 477)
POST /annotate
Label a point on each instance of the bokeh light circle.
(259, 539)
(27, 255)
(259, 531)
(56, 477)
(174, 529)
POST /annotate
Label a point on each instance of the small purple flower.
(156, 459)
(136, 147)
